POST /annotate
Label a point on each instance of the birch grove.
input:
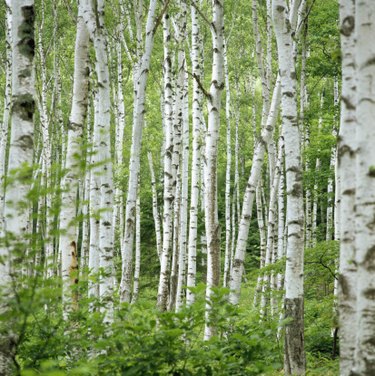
(186, 187)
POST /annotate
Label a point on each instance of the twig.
(194, 75)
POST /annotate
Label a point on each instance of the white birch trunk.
(134, 164)
(94, 208)
(243, 231)
(137, 266)
(68, 224)
(294, 361)
(281, 224)
(212, 138)
(197, 63)
(168, 171)
(346, 170)
(184, 195)
(7, 104)
(228, 223)
(94, 18)
(262, 241)
(364, 355)
(155, 209)
(314, 218)
(271, 228)
(16, 205)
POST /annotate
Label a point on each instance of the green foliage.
(141, 340)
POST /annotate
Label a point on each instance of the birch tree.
(346, 169)
(212, 138)
(168, 197)
(197, 64)
(285, 25)
(68, 214)
(7, 104)
(21, 148)
(244, 225)
(134, 164)
(94, 18)
(364, 355)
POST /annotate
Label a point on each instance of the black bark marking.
(347, 26)
(26, 32)
(369, 261)
(348, 104)
(24, 106)
(369, 62)
(345, 289)
(369, 293)
(371, 171)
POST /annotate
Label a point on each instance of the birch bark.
(134, 164)
(168, 171)
(137, 267)
(294, 361)
(68, 220)
(16, 206)
(243, 231)
(7, 104)
(364, 355)
(155, 209)
(227, 256)
(346, 169)
(212, 138)
(197, 64)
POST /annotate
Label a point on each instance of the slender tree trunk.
(134, 164)
(364, 355)
(21, 150)
(271, 227)
(184, 197)
(155, 209)
(94, 208)
(346, 170)
(7, 104)
(168, 171)
(228, 223)
(137, 267)
(314, 218)
(197, 64)
(68, 214)
(212, 138)
(95, 22)
(294, 362)
(247, 207)
(262, 241)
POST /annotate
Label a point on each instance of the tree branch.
(196, 78)
(160, 17)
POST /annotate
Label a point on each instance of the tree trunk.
(134, 164)
(137, 267)
(168, 171)
(16, 202)
(228, 223)
(346, 170)
(68, 214)
(197, 64)
(364, 355)
(212, 138)
(247, 207)
(155, 209)
(294, 362)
